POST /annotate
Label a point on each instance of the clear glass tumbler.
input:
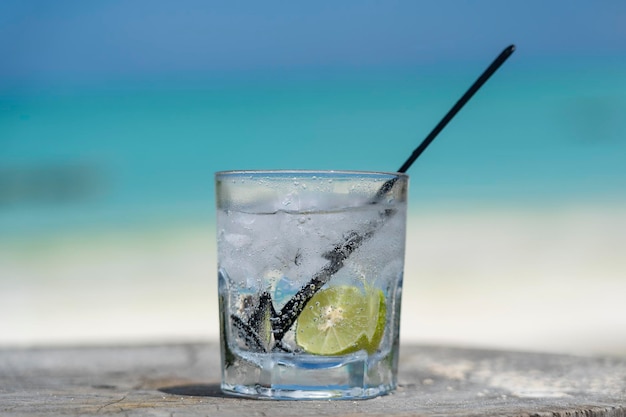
(310, 267)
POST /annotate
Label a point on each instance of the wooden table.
(180, 380)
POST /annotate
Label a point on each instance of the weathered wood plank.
(179, 380)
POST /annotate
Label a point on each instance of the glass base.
(304, 392)
(284, 376)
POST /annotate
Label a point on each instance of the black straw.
(504, 55)
(286, 317)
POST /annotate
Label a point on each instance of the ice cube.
(285, 289)
(237, 240)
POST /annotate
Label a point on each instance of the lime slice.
(342, 320)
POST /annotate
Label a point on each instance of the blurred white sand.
(547, 280)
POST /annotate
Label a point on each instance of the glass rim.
(351, 173)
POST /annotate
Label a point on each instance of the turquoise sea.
(120, 153)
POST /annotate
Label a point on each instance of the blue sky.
(43, 41)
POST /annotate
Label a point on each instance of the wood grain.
(180, 380)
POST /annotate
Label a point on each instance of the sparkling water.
(269, 252)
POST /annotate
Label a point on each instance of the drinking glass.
(310, 267)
